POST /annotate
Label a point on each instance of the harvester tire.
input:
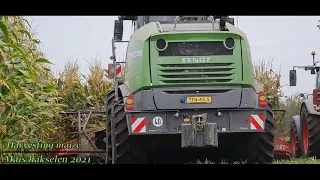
(125, 153)
(310, 128)
(295, 138)
(261, 150)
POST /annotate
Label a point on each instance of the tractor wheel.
(125, 153)
(262, 145)
(310, 134)
(295, 137)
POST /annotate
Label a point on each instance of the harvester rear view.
(188, 85)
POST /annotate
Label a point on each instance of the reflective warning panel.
(110, 71)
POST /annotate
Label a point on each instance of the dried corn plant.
(73, 95)
(97, 84)
(270, 81)
(80, 92)
(71, 87)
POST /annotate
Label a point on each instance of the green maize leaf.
(37, 41)
(26, 32)
(5, 32)
(16, 135)
(11, 74)
(15, 36)
(29, 96)
(49, 89)
(43, 60)
(11, 122)
(25, 73)
(12, 87)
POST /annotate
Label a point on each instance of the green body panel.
(139, 76)
(137, 66)
(248, 69)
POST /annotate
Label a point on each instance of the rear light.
(261, 93)
(262, 104)
(262, 99)
(129, 102)
(129, 108)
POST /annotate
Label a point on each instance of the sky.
(288, 40)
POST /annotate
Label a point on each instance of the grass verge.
(299, 161)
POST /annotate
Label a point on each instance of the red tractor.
(305, 130)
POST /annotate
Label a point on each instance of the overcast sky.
(289, 40)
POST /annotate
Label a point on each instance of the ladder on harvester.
(114, 72)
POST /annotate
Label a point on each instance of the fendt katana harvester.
(305, 131)
(188, 85)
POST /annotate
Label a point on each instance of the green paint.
(137, 70)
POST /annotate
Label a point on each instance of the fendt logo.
(196, 60)
(281, 147)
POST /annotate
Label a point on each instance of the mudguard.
(125, 91)
(124, 88)
(296, 120)
(310, 106)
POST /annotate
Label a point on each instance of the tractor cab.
(314, 69)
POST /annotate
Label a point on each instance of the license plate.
(194, 100)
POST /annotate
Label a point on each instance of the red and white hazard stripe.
(118, 70)
(138, 125)
(257, 122)
(111, 70)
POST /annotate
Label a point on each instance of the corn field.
(32, 97)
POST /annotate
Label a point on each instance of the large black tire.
(310, 128)
(125, 152)
(261, 149)
(295, 138)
